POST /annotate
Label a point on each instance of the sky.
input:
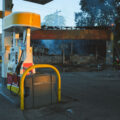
(67, 8)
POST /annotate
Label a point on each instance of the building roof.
(39, 1)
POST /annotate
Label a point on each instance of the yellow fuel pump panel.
(19, 20)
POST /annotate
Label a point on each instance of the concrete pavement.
(90, 96)
(9, 111)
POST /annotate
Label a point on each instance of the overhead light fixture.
(40, 1)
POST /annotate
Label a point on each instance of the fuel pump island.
(35, 90)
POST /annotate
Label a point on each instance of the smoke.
(48, 43)
(80, 47)
(53, 46)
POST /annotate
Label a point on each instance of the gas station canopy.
(39, 1)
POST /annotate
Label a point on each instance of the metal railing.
(44, 27)
(34, 67)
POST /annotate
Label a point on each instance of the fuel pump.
(20, 56)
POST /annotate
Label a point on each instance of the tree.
(82, 19)
(54, 19)
(96, 13)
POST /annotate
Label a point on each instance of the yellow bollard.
(34, 67)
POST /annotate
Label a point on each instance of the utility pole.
(57, 15)
(110, 48)
(71, 47)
